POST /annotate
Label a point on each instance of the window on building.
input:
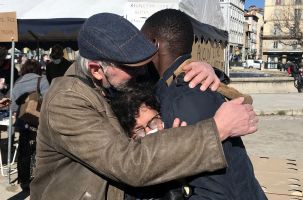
(298, 2)
(276, 30)
(275, 46)
(277, 13)
(278, 2)
(298, 14)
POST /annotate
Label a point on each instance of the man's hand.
(201, 72)
(4, 102)
(235, 119)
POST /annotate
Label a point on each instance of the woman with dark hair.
(135, 103)
(30, 72)
(30, 75)
(138, 111)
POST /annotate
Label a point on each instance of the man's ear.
(95, 70)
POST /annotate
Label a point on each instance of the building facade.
(233, 14)
(282, 37)
(253, 32)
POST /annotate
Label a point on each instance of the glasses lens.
(153, 124)
(139, 133)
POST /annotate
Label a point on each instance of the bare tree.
(287, 24)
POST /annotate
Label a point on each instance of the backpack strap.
(38, 85)
(227, 91)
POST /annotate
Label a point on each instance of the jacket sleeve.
(84, 131)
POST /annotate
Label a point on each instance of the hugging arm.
(110, 153)
(201, 72)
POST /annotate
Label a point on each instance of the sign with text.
(211, 52)
(137, 12)
(8, 27)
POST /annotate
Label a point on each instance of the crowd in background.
(28, 71)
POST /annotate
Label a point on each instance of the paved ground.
(282, 104)
(279, 136)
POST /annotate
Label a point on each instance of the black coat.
(55, 70)
(237, 181)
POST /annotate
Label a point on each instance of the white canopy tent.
(42, 23)
(205, 11)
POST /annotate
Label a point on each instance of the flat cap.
(110, 37)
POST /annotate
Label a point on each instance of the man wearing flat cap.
(83, 153)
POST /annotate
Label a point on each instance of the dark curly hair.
(127, 101)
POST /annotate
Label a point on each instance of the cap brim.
(141, 63)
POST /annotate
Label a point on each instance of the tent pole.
(38, 52)
(10, 128)
(37, 39)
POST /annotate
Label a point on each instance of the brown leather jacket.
(82, 152)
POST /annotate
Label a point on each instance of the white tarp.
(205, 11)
(47, 9)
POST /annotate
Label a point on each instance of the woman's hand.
(178, 123)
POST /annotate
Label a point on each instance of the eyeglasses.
(152, 124)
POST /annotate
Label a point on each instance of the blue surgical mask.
(56, 61)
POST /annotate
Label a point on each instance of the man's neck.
(164, 63)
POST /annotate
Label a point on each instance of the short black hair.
(57, 52)
(127, 101)
(173, 26)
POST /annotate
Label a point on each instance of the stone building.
(282, 36)
(253, 29)
(233, 14)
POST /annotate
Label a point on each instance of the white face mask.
(56, 61)
(155, 130)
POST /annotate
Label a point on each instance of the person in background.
(44, 61)
(172, 30)
(5, 72)
(58, 64)
(30, 72)
(24, 58)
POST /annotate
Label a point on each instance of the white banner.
(137, 12)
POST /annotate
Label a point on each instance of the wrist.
(223, 133)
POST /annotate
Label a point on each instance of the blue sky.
(258, 3)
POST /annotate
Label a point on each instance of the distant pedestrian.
(44, 61)
(5, 72)
(28, 82)
(58, 64)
